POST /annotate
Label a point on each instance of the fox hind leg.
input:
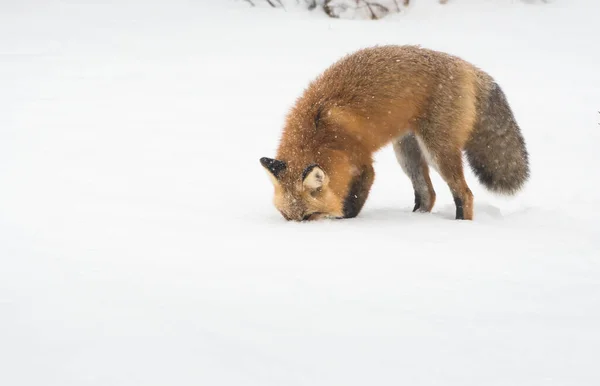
(447, 159)
(414, 165)
(452, 172)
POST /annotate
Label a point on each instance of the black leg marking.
(417, 201)
(358, 192)
(460, 214)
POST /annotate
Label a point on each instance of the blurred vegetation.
(353, 9)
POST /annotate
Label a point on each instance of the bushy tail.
(496, 150)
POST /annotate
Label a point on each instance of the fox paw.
(423, 203)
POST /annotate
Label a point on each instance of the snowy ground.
(139, 245)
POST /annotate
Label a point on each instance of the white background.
(139, 244)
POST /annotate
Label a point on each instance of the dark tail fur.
(496, 150)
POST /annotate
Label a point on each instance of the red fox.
(430, 105)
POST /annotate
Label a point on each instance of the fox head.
(312, 192)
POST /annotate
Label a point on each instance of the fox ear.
(314, 177)
(273, 166)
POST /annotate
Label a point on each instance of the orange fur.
(366, 101)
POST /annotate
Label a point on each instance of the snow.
(139, 244)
